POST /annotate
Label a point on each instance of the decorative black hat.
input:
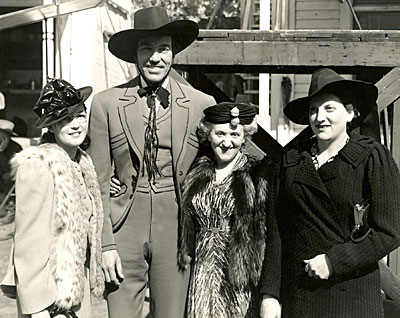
(149, 22)
(361, 94)
(229, 112)
(58, 99)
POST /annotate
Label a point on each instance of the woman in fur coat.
(225, 226)
(55, 262)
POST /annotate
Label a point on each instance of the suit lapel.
(181, 120)
(131, 116)
(302, 171)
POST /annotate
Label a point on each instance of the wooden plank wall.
(106, 69)
(317, 14)
(314, 15)
(303, 15)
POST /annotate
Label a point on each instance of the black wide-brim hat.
(59, 99)
(361, 94)
(149, 22)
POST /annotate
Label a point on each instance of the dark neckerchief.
(155, 90)
(151, 140)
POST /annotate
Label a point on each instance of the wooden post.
(48, 47)
(246, 15)
(388, 88)
(263, 80)
(394, 258)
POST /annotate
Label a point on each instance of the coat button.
(181, 173)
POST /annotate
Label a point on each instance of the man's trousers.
(147, 245)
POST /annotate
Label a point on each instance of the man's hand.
(115, 186)
(318, 267)
(270, 307)
(112, 267)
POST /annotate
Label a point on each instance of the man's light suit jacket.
(116, 130)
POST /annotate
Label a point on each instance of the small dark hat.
(149, 22)
(59, 99)
(361, 94)
(228, 112)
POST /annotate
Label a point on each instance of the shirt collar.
(164, 84)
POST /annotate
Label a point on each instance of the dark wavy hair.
(48, 137)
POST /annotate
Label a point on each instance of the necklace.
(314, 154)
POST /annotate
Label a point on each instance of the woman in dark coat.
(337, 206)
(226, 227)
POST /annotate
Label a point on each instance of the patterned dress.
(210, 293)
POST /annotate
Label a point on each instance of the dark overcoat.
(315, 216)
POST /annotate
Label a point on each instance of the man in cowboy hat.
(144, 133)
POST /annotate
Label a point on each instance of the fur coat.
(74, 234)
(248, 230)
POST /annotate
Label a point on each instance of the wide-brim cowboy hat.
(361, 94)
(149, 22)
(59, 99)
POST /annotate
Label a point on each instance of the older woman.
(337, 205)
(56, 258)
(226, 226)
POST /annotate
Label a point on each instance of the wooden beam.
(39, 13)
(291, 51)
(377, 8)
(388, 89)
